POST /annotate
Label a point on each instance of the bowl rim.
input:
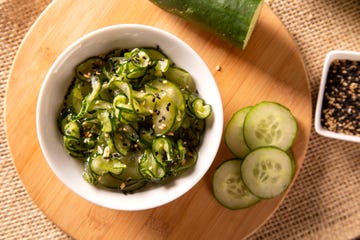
(218, 122)
(330, 57)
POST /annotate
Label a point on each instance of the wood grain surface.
(270, 68)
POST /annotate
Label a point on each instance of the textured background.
(323, 203)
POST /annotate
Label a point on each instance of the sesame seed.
(341, 107)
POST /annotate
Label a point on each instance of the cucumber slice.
(154, 54)
(121, 143)
(162, 65)
(165, 116)
(131, 172)
(126, 186)
(99, 165)
(136, 73)
(234, 133)
(149, 168)
(141, 59)
(187, 158)
(76, 97)
(162, 150)
(200, 108)
(228, 187)
(168, 90)
(267, 171)
(91, 66)
(270, 124)
(109, 181)
(180, 77)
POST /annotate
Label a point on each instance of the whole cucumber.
(233, 20)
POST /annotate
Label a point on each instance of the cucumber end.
(252, 24)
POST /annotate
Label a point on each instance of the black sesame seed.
(168, 107)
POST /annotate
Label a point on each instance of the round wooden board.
(270, 68)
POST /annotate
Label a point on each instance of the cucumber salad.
(260, 137)
(133, 118)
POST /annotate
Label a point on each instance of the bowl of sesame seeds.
(337, 112)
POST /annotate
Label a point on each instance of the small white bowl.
(57, 81)
(330, 57)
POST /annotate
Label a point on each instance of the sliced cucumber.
(109, 181)
(181, 77)
(129, 180)
(200, 108)
(141, 59)
(228, 187)
(270, 124)
(76, 98)
(91, 66)
(149, 168)
(165, 116)
(162, 65)
(101, 165)
(162, 150)
(234, 133)
(125, 186)
(171, 98)
(262, 135)
(155, 54)
(165, 87)
(267, 171)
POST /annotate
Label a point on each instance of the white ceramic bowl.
(330, 57)
(57, 81)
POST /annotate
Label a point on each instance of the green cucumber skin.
(231, 19)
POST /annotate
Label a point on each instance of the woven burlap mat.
(325, 200)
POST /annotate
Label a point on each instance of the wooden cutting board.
(270, 68)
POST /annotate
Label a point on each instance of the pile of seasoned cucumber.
(132, 117)
(260, 137)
